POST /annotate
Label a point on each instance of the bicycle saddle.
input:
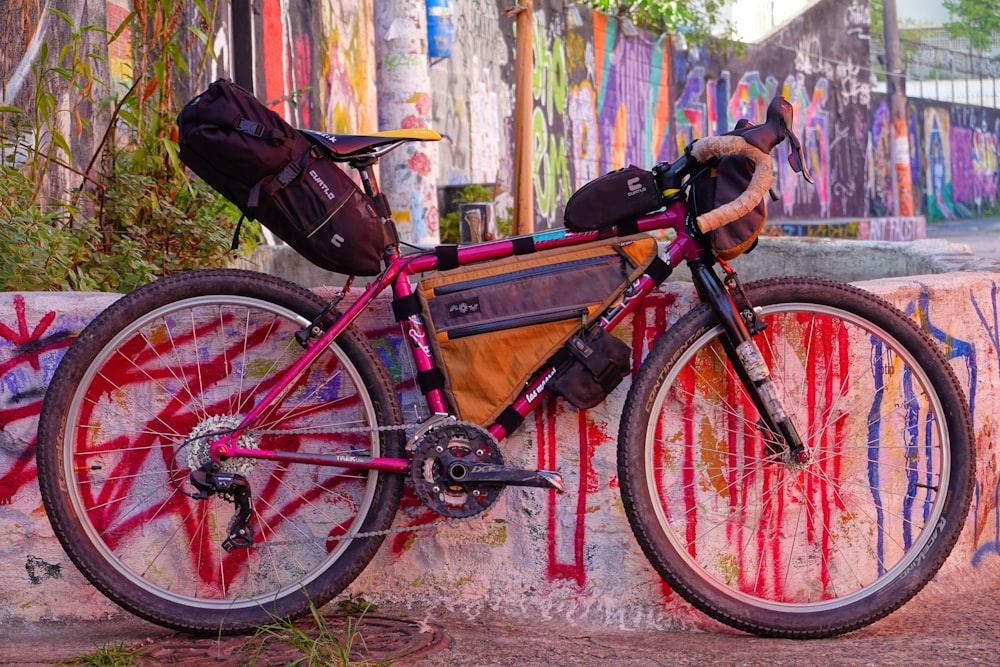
(344, 146)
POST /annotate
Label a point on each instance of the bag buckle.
(288, 174)
(250, 127)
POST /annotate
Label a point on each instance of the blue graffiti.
(917, 434)
(873, 450)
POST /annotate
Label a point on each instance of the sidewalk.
(950, 623)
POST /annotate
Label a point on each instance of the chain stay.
(369, 429)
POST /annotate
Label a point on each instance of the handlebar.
(751, 141)
(704, 150)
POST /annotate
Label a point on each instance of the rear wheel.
(805, 550)
(128, 416)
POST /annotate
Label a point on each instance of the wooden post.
(524, 200)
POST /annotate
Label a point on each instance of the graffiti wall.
(953, 158)
(572, 552)
(819, 63)
(473, 103)
(317, 59)
(604, 100)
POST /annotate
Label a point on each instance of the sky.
(753, 18)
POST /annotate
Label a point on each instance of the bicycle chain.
(375, 429)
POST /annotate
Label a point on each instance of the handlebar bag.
(494, 325)
(616, 197)
(722, 182)
(277, 175)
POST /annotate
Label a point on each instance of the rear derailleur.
(231, 487)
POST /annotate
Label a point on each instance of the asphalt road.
(982, 235)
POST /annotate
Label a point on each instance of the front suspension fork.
(741, 324)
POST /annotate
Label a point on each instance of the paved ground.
(953, 622)
(982, 235)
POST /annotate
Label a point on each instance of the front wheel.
(129, 417)
(798, 550)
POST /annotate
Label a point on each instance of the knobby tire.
(799, 551)
(129, 414)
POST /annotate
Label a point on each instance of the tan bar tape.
(705, 149)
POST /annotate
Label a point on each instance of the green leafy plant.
(474, 192)
(318, 642)
(131, 213)
(111, 654)
(700, 21)
(450, 223)
(975, 20)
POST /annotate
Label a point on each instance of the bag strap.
(281, 180)
(235, 245)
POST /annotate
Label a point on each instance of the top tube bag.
(277, 175)
(493, 325)
(616, 197)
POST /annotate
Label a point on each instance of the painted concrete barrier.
(869, 229)
(533, 554)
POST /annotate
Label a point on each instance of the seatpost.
(381, 202)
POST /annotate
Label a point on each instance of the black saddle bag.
(277, 175)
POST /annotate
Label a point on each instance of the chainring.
(442, 446)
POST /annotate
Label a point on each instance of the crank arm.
(481, 473)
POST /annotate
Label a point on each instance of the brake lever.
(796, 159)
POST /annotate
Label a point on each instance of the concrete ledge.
(533, 554)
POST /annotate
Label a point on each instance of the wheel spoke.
(171, 368)
(781, 539)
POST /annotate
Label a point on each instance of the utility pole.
(896, 87)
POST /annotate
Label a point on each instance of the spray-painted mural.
(601, 103)
(571, 550)
(604, 100)
(816, 62)
(318, 59)
(473, 101)
(954, 162)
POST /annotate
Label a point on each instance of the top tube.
(670, 218)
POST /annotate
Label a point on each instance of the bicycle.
(221, 447)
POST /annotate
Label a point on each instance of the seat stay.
(346, 147)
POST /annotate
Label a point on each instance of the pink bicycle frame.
(399, 273)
